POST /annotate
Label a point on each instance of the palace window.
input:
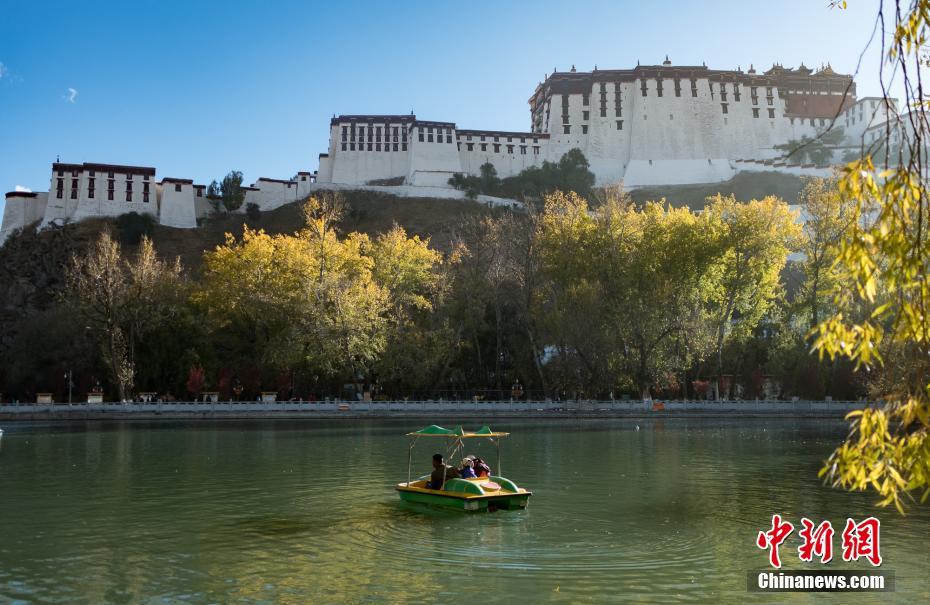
(522, 149)
(61, 187)
(351, 146)
(736, 92)
(421, 135)
(566, 129)
(110, 195)
(395, 146)
(586, 115)
(394, 133)
(129, 176)
(497, 139)
(458, 146)
(403, 147)
(723, 106)
(482, 138)
(61, 173)
(677, 87)
(812, 122)
(369, 147)
(535, 150)
(642, 87)
(509, 148)
(693, 88)
(145, 198)
(755, 112)
(497, 147)
(344, 147)
(770, 100)
(177, 187)
(429, 135)
(146, 177)
(74, 189)
(585, 99)
(768, 91)
(484, 147)
(345, 133)
(659, 87)
(129, 196)
(771, 113)
(145, 188)
(74, 173)
(619, 124)
(448, 138)
(584, 129)
(603, 112)
(199, 191)
(723, 93)
(470, 146)
(377, 146)
(129, 187)
(110, 175)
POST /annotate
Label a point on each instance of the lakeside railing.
(442, 406)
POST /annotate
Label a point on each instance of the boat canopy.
(456, 433)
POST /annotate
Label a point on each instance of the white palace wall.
(22, 208)
(176, 206)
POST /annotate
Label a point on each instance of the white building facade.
(650, 125)
(80, 191)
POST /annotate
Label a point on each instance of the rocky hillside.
(745, 186)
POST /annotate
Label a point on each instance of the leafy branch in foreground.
(883, 317)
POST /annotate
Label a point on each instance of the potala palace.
(645, 126)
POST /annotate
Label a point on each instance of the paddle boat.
(480, 494)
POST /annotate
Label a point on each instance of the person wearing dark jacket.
(442, 472)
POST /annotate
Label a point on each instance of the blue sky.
(200, 88)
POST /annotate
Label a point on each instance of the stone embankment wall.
(430, 409)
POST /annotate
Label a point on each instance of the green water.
(304, 512)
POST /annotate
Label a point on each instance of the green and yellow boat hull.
(469, 495)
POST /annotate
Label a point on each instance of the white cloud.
(23, 189)
(71, 96)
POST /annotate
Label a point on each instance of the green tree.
(813, 150)
(753, 239)
(231, 191)
(122, 301)
(827, 217)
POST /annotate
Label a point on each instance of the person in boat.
(481, 468)
(442, 472)
(467, 471)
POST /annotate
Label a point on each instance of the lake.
(305, 512)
